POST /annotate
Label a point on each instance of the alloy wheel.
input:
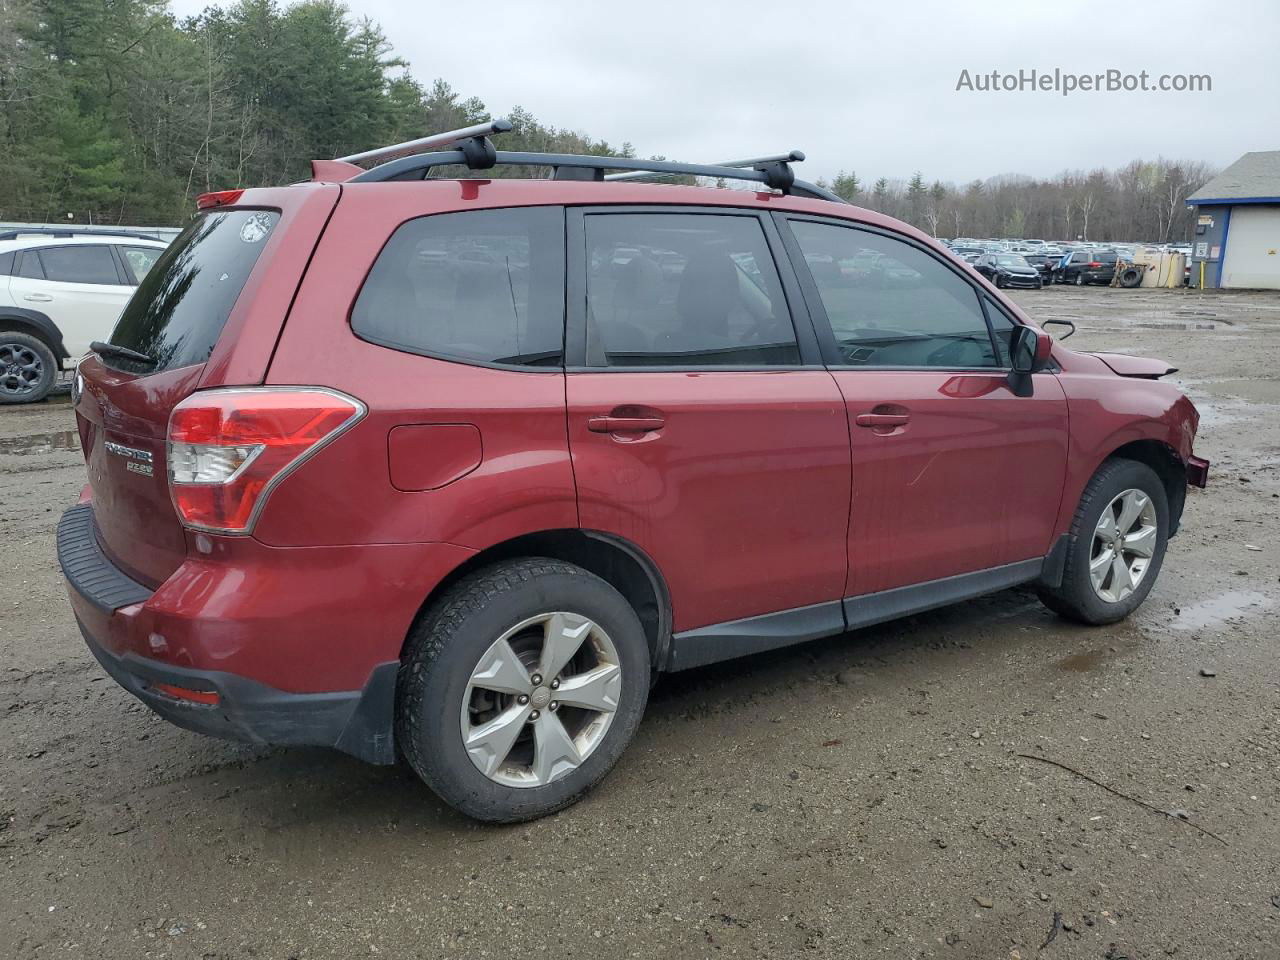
(1124, 541)
(541, 699)
(21, 369)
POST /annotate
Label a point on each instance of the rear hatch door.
(207, 314)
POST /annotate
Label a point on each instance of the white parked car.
(60, 291)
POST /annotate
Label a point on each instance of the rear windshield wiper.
(123, 353)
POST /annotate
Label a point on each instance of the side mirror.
(1030, 350)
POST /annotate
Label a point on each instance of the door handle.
(882, 419)
(37, 297)
(624, 424)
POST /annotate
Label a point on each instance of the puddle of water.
(41, 443)
(1218, 610)
(1082, 662)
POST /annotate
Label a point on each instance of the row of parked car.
(1036, 263)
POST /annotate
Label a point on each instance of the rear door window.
(482, 286)
(179, 309)
(83, 264)
(684, 290)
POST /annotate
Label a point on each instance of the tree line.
(1144, 201)
(113, 111)
(117, 113)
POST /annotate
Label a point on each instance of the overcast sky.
(867, 87)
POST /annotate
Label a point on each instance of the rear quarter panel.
(523, 482)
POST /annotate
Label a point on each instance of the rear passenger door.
(703, 427)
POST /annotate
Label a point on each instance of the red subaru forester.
(452, 469)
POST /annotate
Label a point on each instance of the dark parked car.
(1044, 264)
(454, 470)
(1089, 266)
(1008, 270)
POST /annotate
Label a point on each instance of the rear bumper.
(286, 645)
(357, 722)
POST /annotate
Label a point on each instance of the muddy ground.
(858, 797)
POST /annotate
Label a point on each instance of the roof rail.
(477, 131)
(17, 232)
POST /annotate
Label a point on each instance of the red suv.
(452, 469)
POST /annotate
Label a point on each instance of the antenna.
(471, 139)
(794, 156)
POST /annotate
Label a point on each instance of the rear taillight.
(1095, 265)
(228, 449)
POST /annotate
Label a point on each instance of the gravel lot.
(857, 797)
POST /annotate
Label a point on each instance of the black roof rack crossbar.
(774, 173)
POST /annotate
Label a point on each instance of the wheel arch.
(612, 558)
(1168, 466)
(36, 324)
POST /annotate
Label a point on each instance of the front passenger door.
(952, 472)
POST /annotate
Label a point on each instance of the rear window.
(1105, 256)
(482, 286)
(182, 303)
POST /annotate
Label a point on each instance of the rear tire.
(1079, 279)
(28, 368)
(460, 721)
(1094, 589)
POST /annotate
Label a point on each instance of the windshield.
(177, 313)
(1009, 260)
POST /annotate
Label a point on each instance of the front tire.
(520, 688)
(28, 368)
(1116, 545)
